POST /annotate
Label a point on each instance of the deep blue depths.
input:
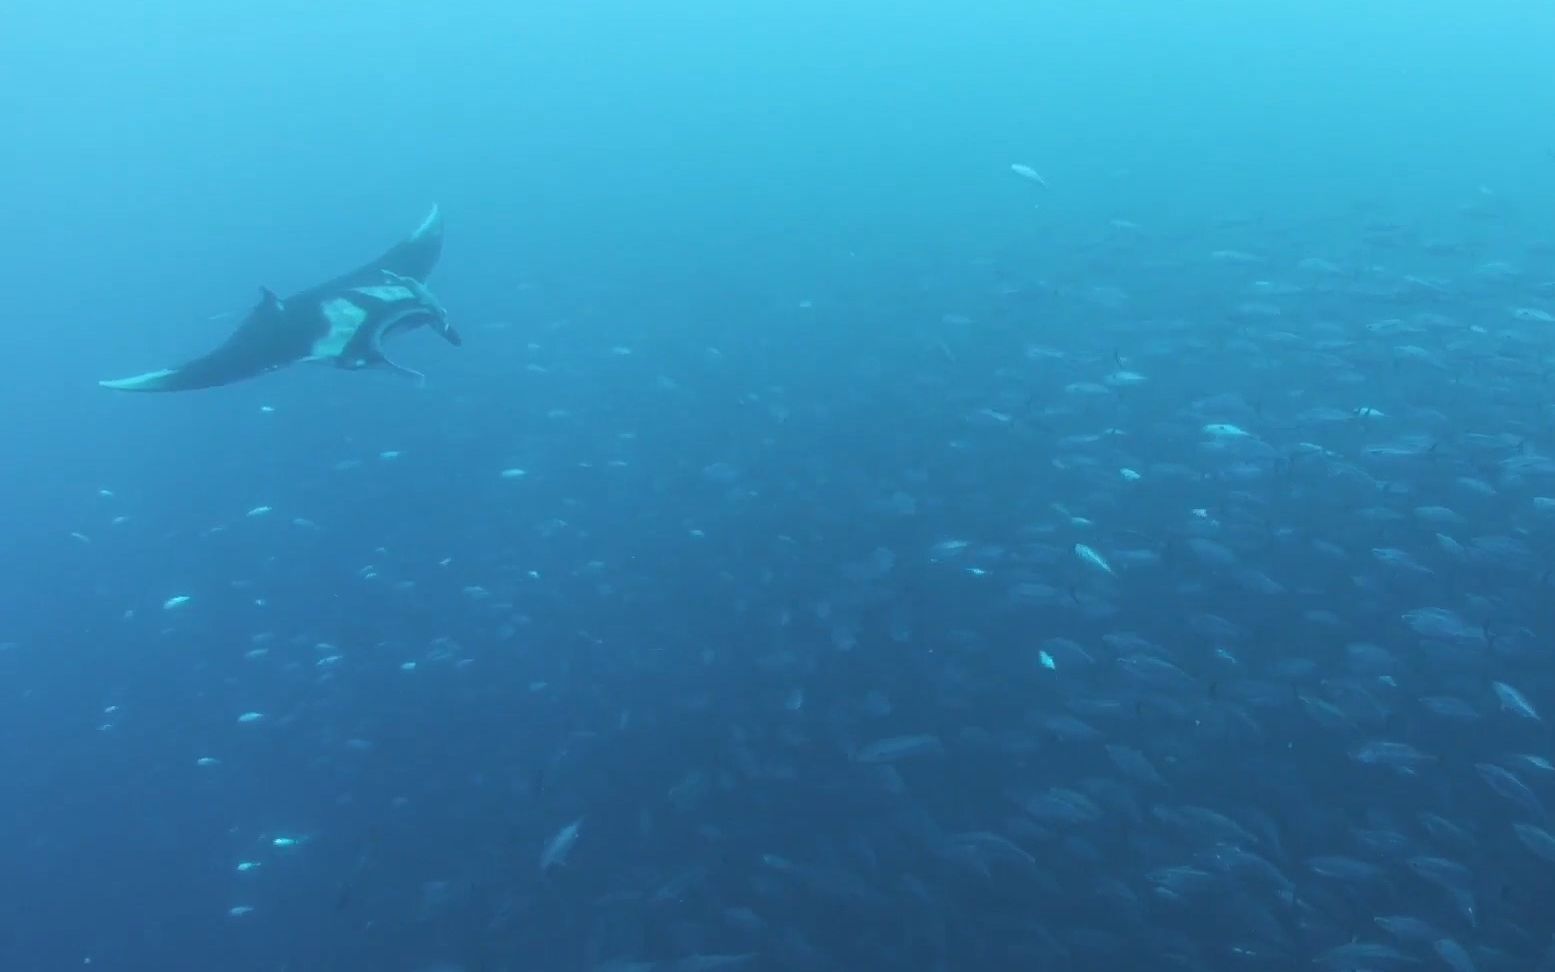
(671, 184)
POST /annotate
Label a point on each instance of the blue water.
(780, 359)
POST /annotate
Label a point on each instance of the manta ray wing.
(415, 257)
(262, 342)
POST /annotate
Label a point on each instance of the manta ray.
(343, 322)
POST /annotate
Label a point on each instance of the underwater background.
(950, 487)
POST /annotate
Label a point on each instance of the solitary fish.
(559, 846)
(1093, 558)
(1513, 701)
(342, 322)
(1027, 172)
(895, 748)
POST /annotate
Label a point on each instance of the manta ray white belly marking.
(345, 319)
(385, 293)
